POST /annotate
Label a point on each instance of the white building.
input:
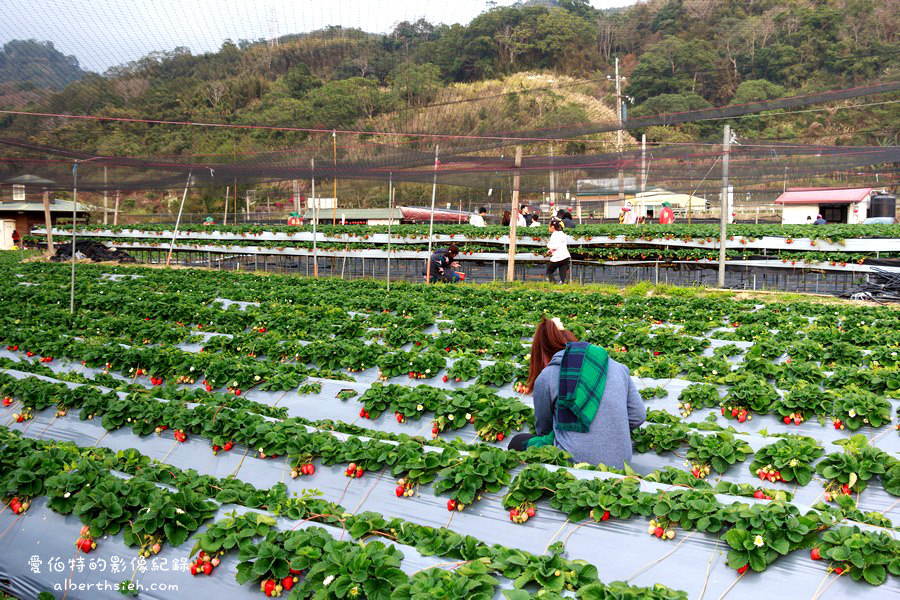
(802, 205)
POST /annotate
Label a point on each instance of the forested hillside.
(675, 54)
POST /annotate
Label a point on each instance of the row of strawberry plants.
(687, 232)
(36, 467)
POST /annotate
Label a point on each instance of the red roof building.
(835, 205)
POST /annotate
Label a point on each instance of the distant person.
(560, 259)
(477, 220)
(507, 218)
(666, 215)
(442, 265)
(585, 403)
(820, 220)
(630, 217)
(566, 217)
(535, 219)
(524, 219)
(16, 238)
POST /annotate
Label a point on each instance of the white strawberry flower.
(449, 417)
(428, 370)
(67, 494)
(793, 462)
(851, 413)
(179, 511)
(192, 369)
(420, 407)
(234, 384)
(759, 542)
(468, 416)
(256, 378)
(715, 372)
(328, 580)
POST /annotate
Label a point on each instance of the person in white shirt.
(520, 220)
(477, 220)
(560, 259)
(535, 219)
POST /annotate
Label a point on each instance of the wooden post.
(723, 220)
(334, 144)
(48, 223)
(431, 221)
(187, 186)
(511, 261)
(116, 209)
(105, 198)
(225, 215)
(390, 222)
(312, 164)
(74, 216)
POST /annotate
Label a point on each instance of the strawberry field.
(254, 436)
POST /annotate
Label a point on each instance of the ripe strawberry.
(734, 412)
(815, 554)
(359, 472)
(743, 569)
(400, 490)
(297, 571)
(445, 379)
(194, 569)
(838, 570)
(797, 421)
(759, 494)
(215, 449)
(7, 401)
(458, 379)
(228, 446)
(311, 469)
(287, 583)
(605, 516)
(846, 489)
(451, 505)
(362, 412)
(723, 411)
(207, 569)
(500, 437)
(87, 545)
(530, 512)
(787, 420)
(659, 532)
(399, 417)
(514, 512)
(237, 392)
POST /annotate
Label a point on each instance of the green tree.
(415, 84)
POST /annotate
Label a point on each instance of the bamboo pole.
(511, 261)
(431, 220)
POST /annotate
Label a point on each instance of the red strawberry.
(815, 554)
(743, 569)
(193, 569)
(400, 490)
(215, 449)
(311, 469)
(759, 494)
(734, 412)
(362, 412)
(447, 349)
(445, 379)
(514, 512)
(605, 516)
(659, 532)
(228, 446)
(451, 505)
(269, 587)
(359, 472)
(86, 545)
(838, 570)
(530, 512)
(7, 401)
(797, 421)
(207, 569)
(237, 392)
(846, 489)
(787, 420)
(287, 583)
(500, 437)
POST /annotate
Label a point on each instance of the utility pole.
(431, 221)
(643, 163)
(225, 214)
(312, 165)
(511, 261)
(552, 183)
(723, 219)
(105, 199)
(334, 145)
(619, 134)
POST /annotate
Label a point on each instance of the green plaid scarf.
(582, 381)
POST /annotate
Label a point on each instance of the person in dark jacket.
(565, 217)
(442, 265)
(820, 221)
(584, 402)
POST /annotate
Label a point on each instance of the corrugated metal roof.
(55, 206)
(823, 196)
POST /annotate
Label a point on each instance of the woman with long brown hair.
(584, 402)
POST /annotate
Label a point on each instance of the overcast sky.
(104, 33)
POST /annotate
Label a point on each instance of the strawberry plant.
(533, 484)
(852, 469)
(600, 499)
(706, 368)
(804, 401)
(691, 509)
(788, 459)
(470, 580)
(495, 418)
(649, 393)
(719, 450)
(752, 393)
(659, 438)
(484, 470)
(762, 532)
(497, 374)
(464, 369)
(855, 408)
(552, 573)
(868, 555)
(697, 396)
